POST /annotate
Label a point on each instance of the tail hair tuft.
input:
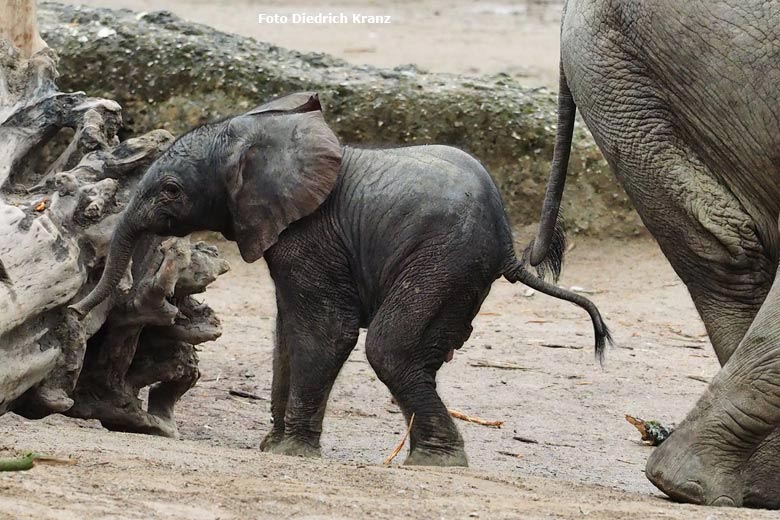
(603, 338)
(552, 265)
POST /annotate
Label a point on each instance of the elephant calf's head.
(248, 177)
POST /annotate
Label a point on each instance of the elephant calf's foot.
(688, 470)
(271, 439)
(281, 444)
(420, 456)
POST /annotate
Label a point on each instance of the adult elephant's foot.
(762, 475)
(290, 445)
(420, 456)
(694, 466)
(716, 456)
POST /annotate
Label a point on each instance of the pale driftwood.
(18, 25)
(58, 209)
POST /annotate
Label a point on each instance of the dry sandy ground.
(518, 37)
(588, 460)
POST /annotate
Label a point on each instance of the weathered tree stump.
(59, 203)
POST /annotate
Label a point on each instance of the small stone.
(105, 32)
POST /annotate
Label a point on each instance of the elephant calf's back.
(432, 201)
(424, 189)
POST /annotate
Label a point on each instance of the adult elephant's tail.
(567, 110)
(517, 271)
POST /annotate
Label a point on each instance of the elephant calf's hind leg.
(406, 351)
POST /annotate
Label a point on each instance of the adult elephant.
(683, 98)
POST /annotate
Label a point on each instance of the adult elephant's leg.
(408, 340)
(711, 243)
(315, 337)
(703, 460)
(280, 386)
(708, 238)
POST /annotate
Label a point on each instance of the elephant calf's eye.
(171, 190)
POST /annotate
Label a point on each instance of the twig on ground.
(242, 402)
(687, 341)
(699, 378)
(503, 365)
(476, 420)
(560, 445)
(679, 332)
(557, 345)
(248, 395)
(690, 346)
(510, 454)
(533, 441)
(400, 446)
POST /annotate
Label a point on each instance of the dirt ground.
(586, 460)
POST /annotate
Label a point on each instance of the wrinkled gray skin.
(405, 242)
(683, 98)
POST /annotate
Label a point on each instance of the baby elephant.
(405, 242)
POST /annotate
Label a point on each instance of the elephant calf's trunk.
(119, 254)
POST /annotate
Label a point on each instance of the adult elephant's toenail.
(723, 501)
(689, 491)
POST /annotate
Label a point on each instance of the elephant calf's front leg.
(280, 390)
(309, 355)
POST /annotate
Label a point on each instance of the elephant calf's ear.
(287, 166)
(298, 102)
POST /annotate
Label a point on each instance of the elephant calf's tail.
(517, 271)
